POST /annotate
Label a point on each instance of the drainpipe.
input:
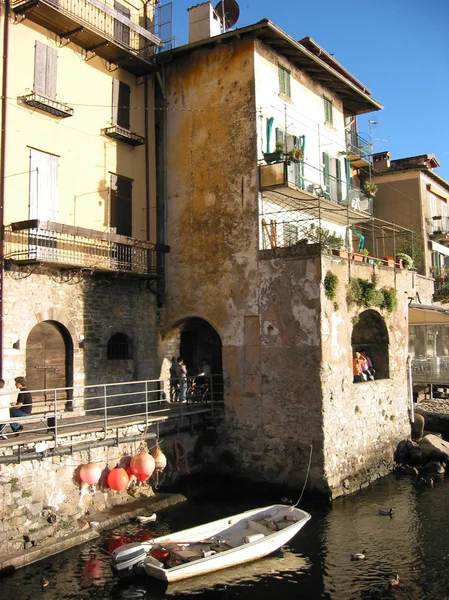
(410, 385)
(147, 150)
(2, 168)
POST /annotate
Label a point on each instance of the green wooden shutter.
(269, 130)
(328, 111)
(326, 172)
(338, 176)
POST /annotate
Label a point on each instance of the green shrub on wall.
(330, 285)
(365, 293)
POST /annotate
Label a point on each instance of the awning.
(440, 248)
(427, 314)
(439, 192)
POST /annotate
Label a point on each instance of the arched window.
(371, 334)
(119, 347)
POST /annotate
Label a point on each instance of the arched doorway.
(370, 333)
(49, 358)
(199, 340)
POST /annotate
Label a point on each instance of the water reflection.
(315, 565)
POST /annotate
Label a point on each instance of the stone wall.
(43, 500)
(90, 311)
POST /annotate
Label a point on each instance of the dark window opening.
(371, 334)
(121, 205)
(119, 347)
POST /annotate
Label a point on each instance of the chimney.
(381, 161)
(204, 22)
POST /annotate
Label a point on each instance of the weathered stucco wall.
(212, 194)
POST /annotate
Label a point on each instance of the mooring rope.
(307, 477)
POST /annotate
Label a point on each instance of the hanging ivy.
(365, 293)
(330, 285)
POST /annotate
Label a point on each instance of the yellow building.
(77, 194)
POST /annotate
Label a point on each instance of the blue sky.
(398, 48)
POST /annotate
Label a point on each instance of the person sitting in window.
(357, 372)
(367, 366)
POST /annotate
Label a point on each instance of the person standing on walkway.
(182, 374)
(24, 404)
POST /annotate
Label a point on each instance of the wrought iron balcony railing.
(117, 35)
(57, 109)
(358, 150)
(34, 241)
(438, 228)
(124, 135)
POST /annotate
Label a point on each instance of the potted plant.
(370, 189)
(277, 155)
(296, 154)
(406, 260)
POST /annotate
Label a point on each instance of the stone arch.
(371, 334)
(51, 314)
(197, 339)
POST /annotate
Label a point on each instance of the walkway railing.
(431, 369)
(63, 412)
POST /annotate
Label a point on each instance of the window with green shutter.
(326, 173)
(338, 176)
(284, 81)
(328, 111)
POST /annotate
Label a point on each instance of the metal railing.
(315, 182)
(358, 146)
(63, 412)
(125, 30)
(437, 225)
(430, 369)
(55, 243)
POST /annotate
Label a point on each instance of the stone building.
(250, 233)
(412, 194)
(79, 288)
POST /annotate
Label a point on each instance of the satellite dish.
(231, 12)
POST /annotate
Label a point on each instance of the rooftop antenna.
(228, 11)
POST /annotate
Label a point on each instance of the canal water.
(413, 544)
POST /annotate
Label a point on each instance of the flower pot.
(340, 252)
(270, 157)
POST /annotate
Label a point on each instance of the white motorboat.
(218, 545)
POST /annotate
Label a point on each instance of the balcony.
(358, 150)
(116, 36)
(57, 109)
(124, 135)
(296, 186)
(34, 242)
(438, 229)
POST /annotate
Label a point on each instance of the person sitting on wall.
(357, 372)
(367, 366)
(24, 404)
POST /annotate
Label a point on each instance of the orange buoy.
(160, 459)
(142, 465)
(90, 473)
(118, 479)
